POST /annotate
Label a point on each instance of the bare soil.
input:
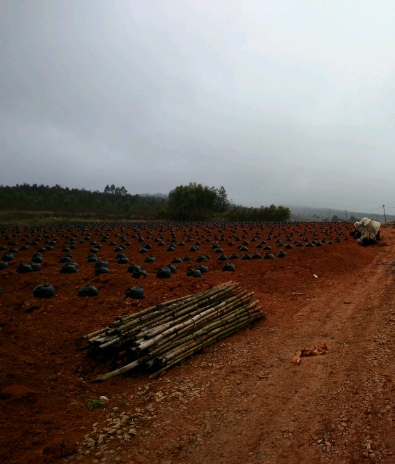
(240, 401)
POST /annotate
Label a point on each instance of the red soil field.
(240, 401)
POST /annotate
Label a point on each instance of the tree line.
(270, 213)
(112, 201)
(192, 202)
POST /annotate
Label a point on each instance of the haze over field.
(286, 102)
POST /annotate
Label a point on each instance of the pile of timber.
(163, 335)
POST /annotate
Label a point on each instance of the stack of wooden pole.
(165, 334)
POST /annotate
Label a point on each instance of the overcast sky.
(284, 102)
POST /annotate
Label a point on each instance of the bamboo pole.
(120, 319)
(162, 347)
(176, 328)
(156, 331)
(198, 340)
(186, 354)
(178, 354)
(195, 339)
(159, 317)
(196, 321)
(169, 332)
(121, 370)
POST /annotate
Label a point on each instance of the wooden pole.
(167, 333)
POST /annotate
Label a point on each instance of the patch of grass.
(9, 218)
(93, 403)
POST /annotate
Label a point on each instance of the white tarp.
(368, 229)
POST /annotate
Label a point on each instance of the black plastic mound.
(229, 267)
(88, 290)
(194, 273)
(135, 292)
(44, 291)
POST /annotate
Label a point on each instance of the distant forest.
(192, 202)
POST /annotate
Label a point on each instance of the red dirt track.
(241, 400)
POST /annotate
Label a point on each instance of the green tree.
(73, 202)
(97, 205)
(335, 218)
(263, 214)
(119, 205)
(126, 207)
(191, 202)
(221, 200)
(23, 200)
(116, 191)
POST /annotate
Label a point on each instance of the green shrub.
(94, 403)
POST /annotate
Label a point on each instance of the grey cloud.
(285, 102)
